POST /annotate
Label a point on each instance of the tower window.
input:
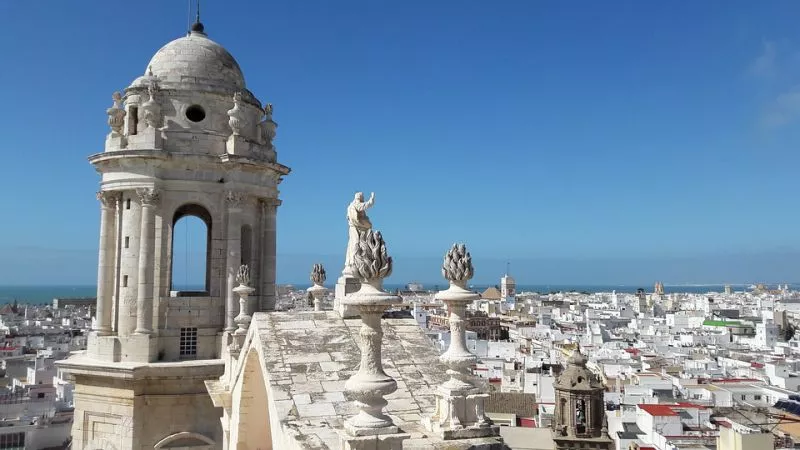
(12, 440)
(195, 113)
(127, 241)
(128, 203)
(188, 343)
(133, 120)
(124, 281)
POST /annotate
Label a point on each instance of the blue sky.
(607, 142)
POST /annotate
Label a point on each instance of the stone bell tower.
(187, 139)
(579, 419)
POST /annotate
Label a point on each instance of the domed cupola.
(192, 99)
(196, 60)
(579, 418)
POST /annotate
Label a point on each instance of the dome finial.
(197, 26)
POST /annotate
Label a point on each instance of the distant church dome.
(576, 377)
(196, 59)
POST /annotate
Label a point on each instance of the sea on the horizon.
(46, 294)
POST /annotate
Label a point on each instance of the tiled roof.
(491, 294)
(657, 410)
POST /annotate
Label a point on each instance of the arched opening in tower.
(190, 255)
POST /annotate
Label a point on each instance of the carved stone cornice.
(149, 196)
(108, 199)
(269, 203)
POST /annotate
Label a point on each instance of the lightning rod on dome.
(197, 26)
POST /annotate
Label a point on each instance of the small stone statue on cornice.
(116, 115)
(151, 110)
(237, 119)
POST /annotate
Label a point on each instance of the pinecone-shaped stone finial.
(318, 275)
(371, 261)
(457, 267)
(243, 275)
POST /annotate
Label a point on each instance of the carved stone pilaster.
(108, 199)
(149, 196)
(460, 400)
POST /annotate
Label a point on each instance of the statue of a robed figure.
(357, 223)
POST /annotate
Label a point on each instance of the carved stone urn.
(370, 384)
(236, 117)
(116, 115)
(318, 291)
(460, 400)
(244, 291)
(151, 110)
(268, 126)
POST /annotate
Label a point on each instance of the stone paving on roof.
(310, 355)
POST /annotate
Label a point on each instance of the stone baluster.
(318, 290)
(106, 260)
(370, 384)
(244, 291)
(459, 412)
(149, 198)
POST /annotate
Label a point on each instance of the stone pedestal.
(379, 442)
(318, 292)
(237, 145)
(149, 138)
(371, 428)
(345, 286)
(139, 348)
(460, 400)
(116, 142)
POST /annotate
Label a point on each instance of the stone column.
(106, 260)
(234, 259)
(149, 198)
(371, 384)
(460, 400)
(269, 249)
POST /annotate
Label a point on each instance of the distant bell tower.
(579, 419)
(508, 287)
(187, 139)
